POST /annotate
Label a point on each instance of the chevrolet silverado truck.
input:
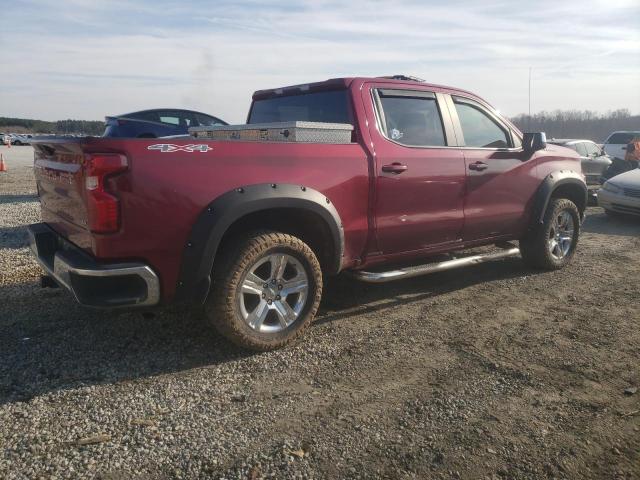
(369, 174)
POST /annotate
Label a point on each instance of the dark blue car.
(157, 123)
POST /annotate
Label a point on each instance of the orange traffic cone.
(3, 167)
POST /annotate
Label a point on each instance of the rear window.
(328, 106)
(622, 137)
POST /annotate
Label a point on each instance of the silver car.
(593, 159)
(621, 194)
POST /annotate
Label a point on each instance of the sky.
(85, 59)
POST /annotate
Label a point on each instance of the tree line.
(60, 127)
(582, 124)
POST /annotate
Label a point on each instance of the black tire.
(223, 307)
(536, 248)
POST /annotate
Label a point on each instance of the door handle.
(478, 166)
(395, 167)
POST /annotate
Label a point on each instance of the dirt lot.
(495, 371)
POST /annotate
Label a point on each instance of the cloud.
(86, 59)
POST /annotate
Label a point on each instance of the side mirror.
(532, 142)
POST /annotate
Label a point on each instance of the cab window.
(478, 127)
(411, 118)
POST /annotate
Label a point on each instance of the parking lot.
(494, 371)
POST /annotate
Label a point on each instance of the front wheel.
(266, 291)
(552, 244)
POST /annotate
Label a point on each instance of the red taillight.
(103, 208)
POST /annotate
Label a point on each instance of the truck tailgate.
(60, 182)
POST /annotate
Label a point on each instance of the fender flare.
(198, 257)
(549, 185)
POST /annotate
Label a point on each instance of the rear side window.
(175, 118)
(170, 120)
(581, 149)
(326, 106)
(592, 149)
(412, 121)
(206, 120)
(478, 128)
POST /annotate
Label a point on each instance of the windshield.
(328, 106)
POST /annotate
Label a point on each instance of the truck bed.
(170, 181)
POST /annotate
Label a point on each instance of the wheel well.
(308, 226)
(573, 192)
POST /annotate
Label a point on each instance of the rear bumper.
(93, 284)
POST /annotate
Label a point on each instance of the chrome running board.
(409, 272)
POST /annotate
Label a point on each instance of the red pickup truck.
(250, 227)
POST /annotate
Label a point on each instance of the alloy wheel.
(273, 293)
(561, 235)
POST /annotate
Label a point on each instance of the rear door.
(419, 179)
(500, 179)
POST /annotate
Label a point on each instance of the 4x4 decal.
(170, 147)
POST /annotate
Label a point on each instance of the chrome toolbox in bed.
(300, 132)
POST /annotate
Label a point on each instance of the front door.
(419, 181)
(500, 179)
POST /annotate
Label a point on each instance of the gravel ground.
(494, 371)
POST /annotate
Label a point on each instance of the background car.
(594, 160)
(3, 138)
(621, 194)
(616, 144)
(157, 123)
(20, 139)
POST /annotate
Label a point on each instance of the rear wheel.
(266, 291)
(552, 244)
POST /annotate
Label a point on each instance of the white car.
(621, 194)
(616, 145)
(20, 139)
